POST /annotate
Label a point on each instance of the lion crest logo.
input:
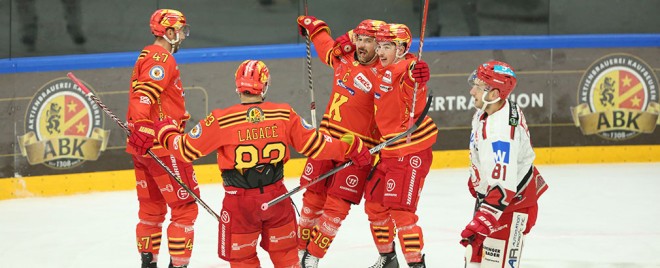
(617, 98)
(63, 128)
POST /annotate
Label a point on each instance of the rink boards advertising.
(584, 104)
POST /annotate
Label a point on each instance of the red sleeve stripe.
(143, 54)
(328, 58)
(231, 119)
(337, 131)
(425, 132)
(188, 151)
(151, 90)
(278, 112)
(313, 144)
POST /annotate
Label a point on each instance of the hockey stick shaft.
(344, 165)
(310, 81)
(121, 124)
(425, 12)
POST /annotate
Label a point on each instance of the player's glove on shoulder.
(164, 129)
(357, 151)
(142, 136)
(343, 45)
(482, 225)
(311, 25)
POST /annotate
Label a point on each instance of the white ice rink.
(603, 216)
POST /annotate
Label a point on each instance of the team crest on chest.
(255, 115)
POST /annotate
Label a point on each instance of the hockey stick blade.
(344, 165)
(121, 124)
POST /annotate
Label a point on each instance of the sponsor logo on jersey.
(377, 95)
(255, 115)
(196, 131)
(391, 184)
(352, 180)
(362, 82)
(157, 73)
(415, 162)
(387, 77)
(175, 143)
(501, 150)
(309, 168)
(168, 188)
(224, 216)
(145, 100)
(141, 183)
(617, 98)
(63, 128)
(341, 84)
(182, 193)
(385, 88)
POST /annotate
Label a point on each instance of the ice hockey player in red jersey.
(393, 192)
(350, 110)
(252, 141)
(156, 92)
(503, 177)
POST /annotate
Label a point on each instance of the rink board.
(562, 89)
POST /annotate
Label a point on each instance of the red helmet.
(497, 74)
(168, 18)
(368, 27)
(396, 33)
(252, 77)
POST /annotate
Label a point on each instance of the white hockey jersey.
(502, 160)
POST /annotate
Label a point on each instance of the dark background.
(122, 25)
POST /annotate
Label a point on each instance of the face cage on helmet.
(185, 29)
(472, 82)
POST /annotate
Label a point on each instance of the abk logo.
(63, 128)
(617, 98)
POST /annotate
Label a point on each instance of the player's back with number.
(247, 135)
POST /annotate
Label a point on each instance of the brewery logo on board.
(63, 128)
(617, 98)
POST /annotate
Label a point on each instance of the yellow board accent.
(55, 185)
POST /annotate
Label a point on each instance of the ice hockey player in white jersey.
(503, 178)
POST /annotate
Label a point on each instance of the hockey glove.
(343, 45)
(311, 25)
(420, 72)
(142, 136)
(164, 129)
(357, 151)
(482, 225)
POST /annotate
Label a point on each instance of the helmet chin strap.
(172, 43)
(404, 52)
(486, 103)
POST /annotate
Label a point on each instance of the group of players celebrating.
(378, 90)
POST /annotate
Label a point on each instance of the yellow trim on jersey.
(121, 180)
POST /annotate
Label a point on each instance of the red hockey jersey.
(156, 91)
(247, 135)
(351, 105)
(393, 102)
